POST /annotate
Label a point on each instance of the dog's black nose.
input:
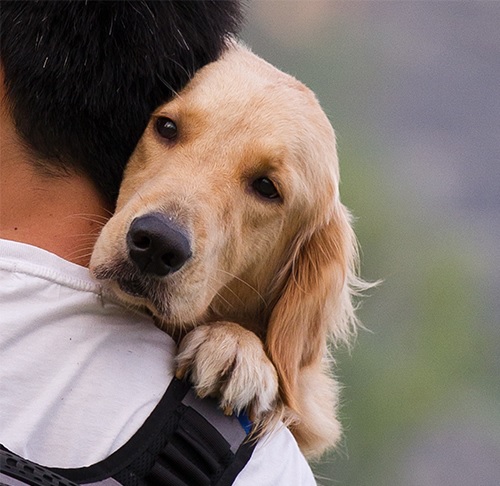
(157, 245)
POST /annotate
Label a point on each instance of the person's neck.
(61, 214)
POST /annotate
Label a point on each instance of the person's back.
(62, 353)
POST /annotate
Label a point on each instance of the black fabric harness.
(184, 442)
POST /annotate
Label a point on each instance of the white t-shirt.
(79, 374)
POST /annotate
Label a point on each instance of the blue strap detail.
(245, 422)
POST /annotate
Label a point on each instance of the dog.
(229, 229)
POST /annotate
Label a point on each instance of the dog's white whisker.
(251, 287)
(229, 289)
(217, 293)
(87, 248)
(86, 245)
(97, 217)
(77, 255)
(108, 211)
(84, 237)
(93, 218)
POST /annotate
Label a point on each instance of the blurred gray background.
(413, 91)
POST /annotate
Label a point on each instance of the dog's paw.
(224, 360)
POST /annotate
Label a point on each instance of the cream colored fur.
(270, 283)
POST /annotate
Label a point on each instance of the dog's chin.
(134, 293)
(146, 293)
(134, 289)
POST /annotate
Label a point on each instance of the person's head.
(82, 77)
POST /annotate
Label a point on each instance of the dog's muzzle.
(157, 245)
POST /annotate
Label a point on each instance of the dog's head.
(230, 209)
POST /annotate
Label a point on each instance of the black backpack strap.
(184, 442)
(17, 471)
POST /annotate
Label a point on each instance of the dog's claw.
(228, 410)
(180, 373)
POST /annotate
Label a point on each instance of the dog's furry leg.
(225, 360)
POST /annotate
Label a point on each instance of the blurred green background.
(413, 91)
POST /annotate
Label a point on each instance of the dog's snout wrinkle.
(156, 244)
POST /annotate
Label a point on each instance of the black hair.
(83, 77)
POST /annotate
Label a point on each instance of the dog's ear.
(315, 301)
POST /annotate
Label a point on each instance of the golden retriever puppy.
(230, 230)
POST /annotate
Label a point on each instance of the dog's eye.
(265, 188)
(166, 128)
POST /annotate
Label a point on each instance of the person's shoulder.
(277, 461)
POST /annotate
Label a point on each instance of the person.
(79, 373)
